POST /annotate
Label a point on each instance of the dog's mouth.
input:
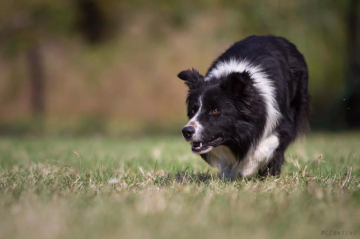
(202, 147)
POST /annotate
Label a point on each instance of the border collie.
(251, 104)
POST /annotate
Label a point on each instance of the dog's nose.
(188, 132)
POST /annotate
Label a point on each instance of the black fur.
(243, 112)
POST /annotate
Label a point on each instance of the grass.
(155, 188)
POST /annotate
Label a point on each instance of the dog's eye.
(215, 111)
(193, 111)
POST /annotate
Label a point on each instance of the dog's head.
(222, 111)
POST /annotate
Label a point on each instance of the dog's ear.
(193, 79)
(235, 82)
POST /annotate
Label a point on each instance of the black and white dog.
(251, 104)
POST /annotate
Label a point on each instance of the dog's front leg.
(260, 157)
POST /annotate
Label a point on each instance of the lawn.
(154, 187)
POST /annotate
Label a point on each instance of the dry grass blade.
(347, 179)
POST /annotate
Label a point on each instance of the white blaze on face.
(196, 124)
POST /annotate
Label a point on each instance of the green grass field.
(156, 188)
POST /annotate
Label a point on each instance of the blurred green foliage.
(179, 34)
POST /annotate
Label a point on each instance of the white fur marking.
(222, 158)
(260, 81)
(194, 122)
(260, 157)
(221, 153)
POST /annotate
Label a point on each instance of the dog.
(250, 106)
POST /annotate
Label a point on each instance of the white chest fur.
(257, 157)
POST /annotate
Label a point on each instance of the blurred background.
(109, 67)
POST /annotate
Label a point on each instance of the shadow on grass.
(190, 177)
